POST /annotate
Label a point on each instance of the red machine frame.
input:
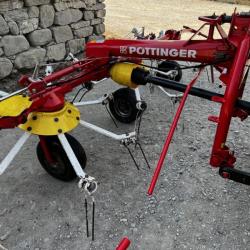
(229, 55)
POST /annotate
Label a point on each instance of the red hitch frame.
(228, 54)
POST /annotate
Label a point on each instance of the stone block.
(13, 45)
(29, 3)
(99, 29)
(96, 21)
(33, 12)
(100, 13)
(47, 14)
(5, 67)
(10, 5)
(72, 4)
(16, 15)
(27, 26)
(76, 46)
(88, 15)
(29, 59)
(40, 37)
(14, 30)
(62, 34)
(90, 2)
(56, 52)
(80, 24)
(67, 16)
(84, 32)
(4, 28)
(98, 6)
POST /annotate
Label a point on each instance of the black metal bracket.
(235, 175)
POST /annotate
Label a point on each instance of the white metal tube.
(3, 93)
(13, 152)
(96, 82)
(168, 94)
(106, 132)
(13, 94)
(98, 101)
(71, 155)
(138, 94)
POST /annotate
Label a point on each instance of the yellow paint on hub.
(121, 74)
(52, 123)
(14, 105)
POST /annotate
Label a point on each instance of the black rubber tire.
(123, 105)
(166, 66)
(63, 169)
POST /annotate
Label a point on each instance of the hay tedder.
(40, 108)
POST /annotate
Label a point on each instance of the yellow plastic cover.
(121, 74)
(14, 105)
(53, 123)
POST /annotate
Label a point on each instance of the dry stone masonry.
(34, 31)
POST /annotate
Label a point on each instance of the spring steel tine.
(144, 156)
(86, 216)
(212, 73)
(170, 134)
(208, 78)
(131, 155)
(111, 116)
(93, 219)
(76, 95)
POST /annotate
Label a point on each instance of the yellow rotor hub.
(52, 123)
(14, 105)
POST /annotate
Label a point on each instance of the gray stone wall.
(34, 31)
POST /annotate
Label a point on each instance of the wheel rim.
(58, 167)
(123, 108)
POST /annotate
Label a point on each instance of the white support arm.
(98, 101)
(13, 152)
(137, 94)
(71, 155)
(106, 132)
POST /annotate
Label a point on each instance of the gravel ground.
(192, 208)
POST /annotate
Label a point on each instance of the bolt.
(225, 175)
(29, 128)
(56, 119)
(59, 131)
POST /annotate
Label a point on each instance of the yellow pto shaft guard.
(121, 74)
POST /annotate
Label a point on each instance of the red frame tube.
(221, 155)
(170, 135)
(124, 244)
(45, 149)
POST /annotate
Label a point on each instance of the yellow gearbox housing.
(52, 123)
(121, 74)
(14, 105)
